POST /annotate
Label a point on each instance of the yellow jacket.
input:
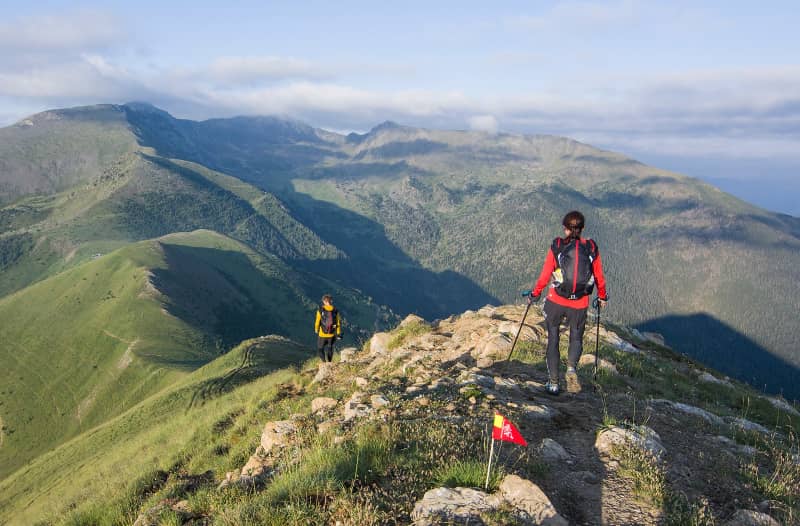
(336, 323)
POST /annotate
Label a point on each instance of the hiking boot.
(573, 384)
(551, 387)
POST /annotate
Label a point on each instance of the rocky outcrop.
(641, 437)
(528, 504)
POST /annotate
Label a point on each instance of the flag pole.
(489, 468)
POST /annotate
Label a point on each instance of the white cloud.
(251, 70)
(581, 15)
(484, 123)
(76, 31)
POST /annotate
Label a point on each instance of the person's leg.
(553, 313)
(329, 350)
(577, 325)
(321, 347)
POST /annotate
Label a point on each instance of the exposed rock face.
(641, 437)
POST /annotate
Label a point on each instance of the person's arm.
(600, 279)
(544, 276)
(316, 323)
(338, 324)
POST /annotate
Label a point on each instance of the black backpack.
(327, 320)
(574, 258)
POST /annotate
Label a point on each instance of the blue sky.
(672, 82)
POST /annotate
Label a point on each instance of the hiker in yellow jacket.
(328, 327)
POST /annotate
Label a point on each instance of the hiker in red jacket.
(574, 265)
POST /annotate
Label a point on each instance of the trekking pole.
(525, 293)
(596, 305)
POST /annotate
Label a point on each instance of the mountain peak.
(386, 125)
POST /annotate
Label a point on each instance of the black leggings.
(576, 318)
(325, 348)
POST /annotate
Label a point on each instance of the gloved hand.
(533, 299)
(599, 303)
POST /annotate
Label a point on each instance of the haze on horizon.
(708, 89)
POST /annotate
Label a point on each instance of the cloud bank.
(84, 58)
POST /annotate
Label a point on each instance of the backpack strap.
(558, 246)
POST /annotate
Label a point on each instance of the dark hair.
(327, 297)
(574, 222)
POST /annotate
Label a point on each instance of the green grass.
(399, 336)
(87, 344)
(469, 473)
(177, 429)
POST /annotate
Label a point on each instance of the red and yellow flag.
(505, 430)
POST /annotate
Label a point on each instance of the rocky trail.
(614, 453)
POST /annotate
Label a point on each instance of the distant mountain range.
(216, 231)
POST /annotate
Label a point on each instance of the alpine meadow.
(155, 269)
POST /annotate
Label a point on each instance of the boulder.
(551, 451)
(277, 435)
(378, 401)
(641, 437)
(322, 404)
(711, 418)
(530, 501)
(497, 346)
(355, 408)
(484, 363)
(487, 311)
(451, 505)
(347, 354)
(538, 411)
(255, 466)
(361, 382)
(747, 425)
(510, 328)
(379, 343)
(751, 518)
(588, 360)
(324, 371)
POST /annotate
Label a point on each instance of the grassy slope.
(103, 460)
(90, 342)
(55, 150)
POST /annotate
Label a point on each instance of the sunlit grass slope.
(89, 343)
(101, 463)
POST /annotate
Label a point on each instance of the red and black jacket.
(551, 264)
